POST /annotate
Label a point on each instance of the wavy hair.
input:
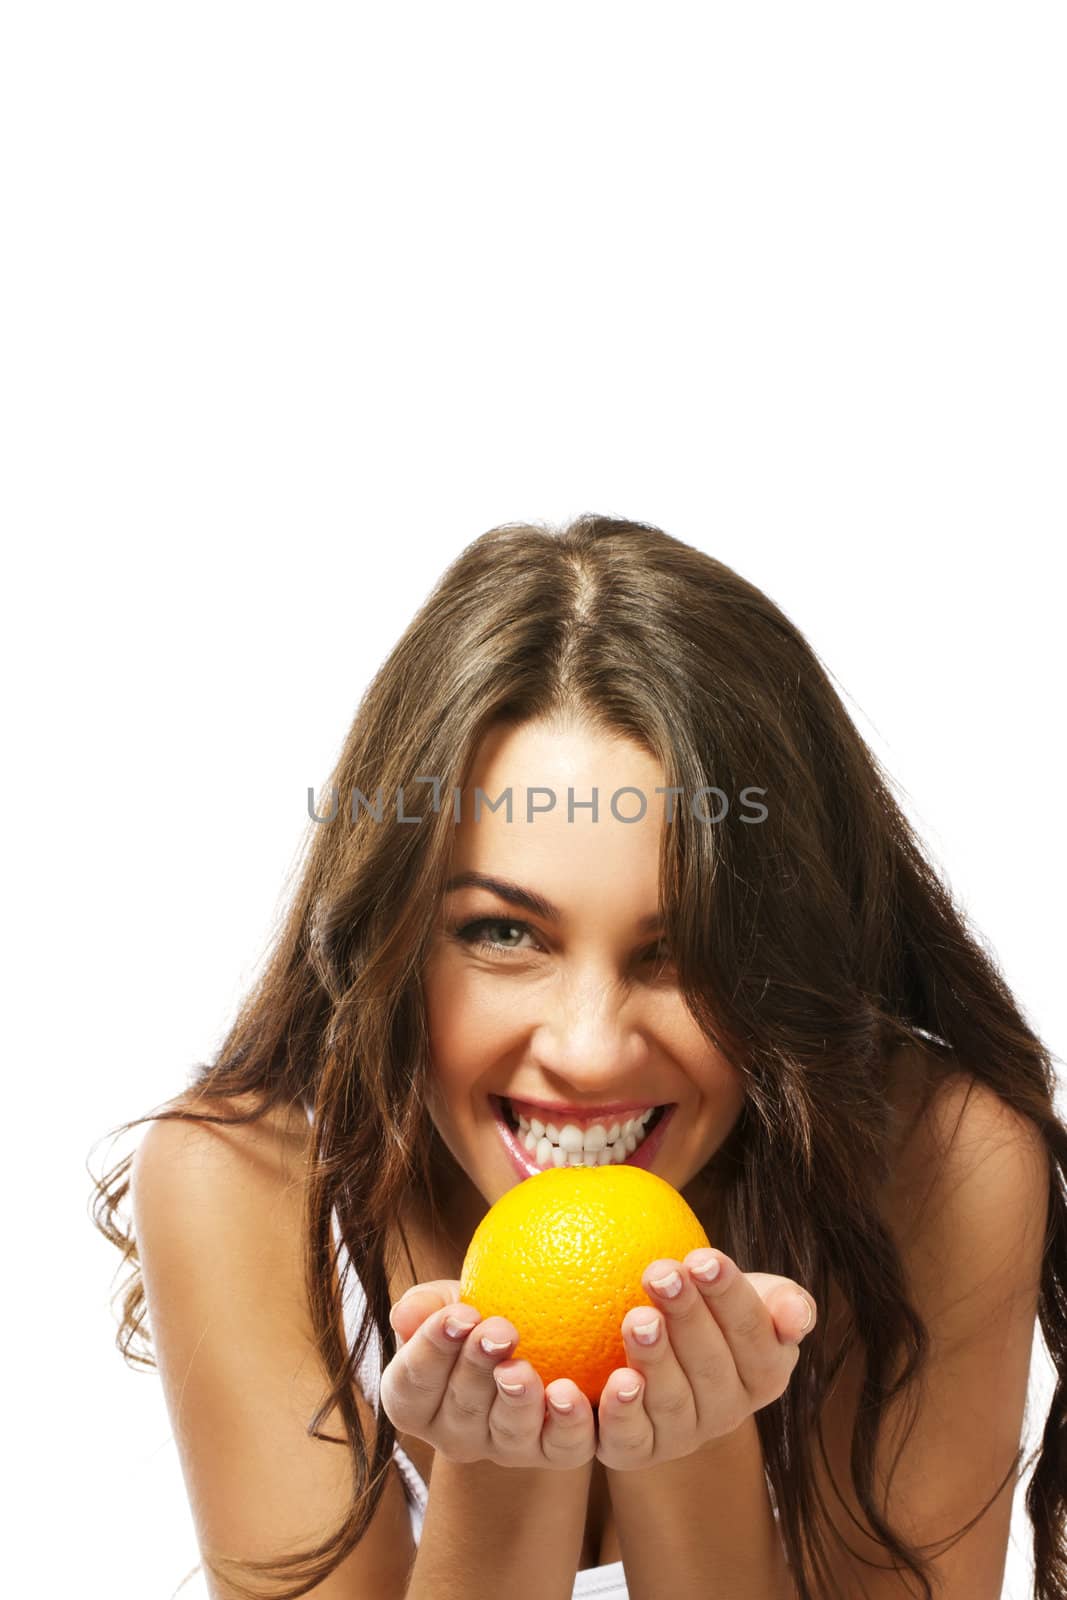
(619, 626)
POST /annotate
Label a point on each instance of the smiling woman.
(571, 1008)
(836, 1078)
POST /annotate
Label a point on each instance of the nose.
(587, 1034)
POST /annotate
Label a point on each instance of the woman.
(860, 1113)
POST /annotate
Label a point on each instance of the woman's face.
(580, 1010)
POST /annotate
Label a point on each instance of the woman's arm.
(218, 1229)
(514, 1532)
(968, 1208)
(968, 1213)
(218, 1223)
(701, 1527)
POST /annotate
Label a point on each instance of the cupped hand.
(724, 1349)
(449, 1391)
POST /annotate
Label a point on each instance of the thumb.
(793, 1310)
(420, 1302)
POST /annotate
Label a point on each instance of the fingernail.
(457, 1329)
(413, 1290)
(493, 1347)
(564, 1407)
(630, 1394)
(514, 1389)
(647, 1332)
(802, 1306)
(669, 1286)
(706, 1268)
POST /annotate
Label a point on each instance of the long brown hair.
(620, 626)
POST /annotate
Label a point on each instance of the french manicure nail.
(802, 1306)
(707, 1271)
(457, 1329)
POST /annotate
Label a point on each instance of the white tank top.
(604, 1583)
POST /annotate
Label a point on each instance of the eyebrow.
(516, 895)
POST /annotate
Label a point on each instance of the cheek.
(458, 1037)
(468, 1016)
(443, 1000)
(732, 1095)
(450, 1028)
(722, 1085)
(436, 1099)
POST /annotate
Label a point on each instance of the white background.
(300, 299)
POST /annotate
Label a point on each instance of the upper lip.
(557, 1108)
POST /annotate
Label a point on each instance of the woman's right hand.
(446, 1390)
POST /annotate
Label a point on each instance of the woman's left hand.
(725, 1349)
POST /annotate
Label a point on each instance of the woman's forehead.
(539, 753)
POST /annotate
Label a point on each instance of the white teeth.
(576, 1147)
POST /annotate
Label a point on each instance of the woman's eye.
(477, 933)
(660, 956)
(474, 933)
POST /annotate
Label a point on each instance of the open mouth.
(537, 1146)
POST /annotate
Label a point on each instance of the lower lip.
(643, 1156)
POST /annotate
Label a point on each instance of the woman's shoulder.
(958, 1154)
(223, 1203)
(949, 1125)
(266, 1135)
(219, 1235)
(938, 1101)
(231, 1163)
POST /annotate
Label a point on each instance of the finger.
(418, 1302)
(664, 1345)
(762, 1362)
(415, 1383)
(526, 1417)
(626, 1435)
(517, 1411)
(472, 1390)
(793, 1310)
(568, 1434)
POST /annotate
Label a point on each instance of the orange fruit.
(561, 1256)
